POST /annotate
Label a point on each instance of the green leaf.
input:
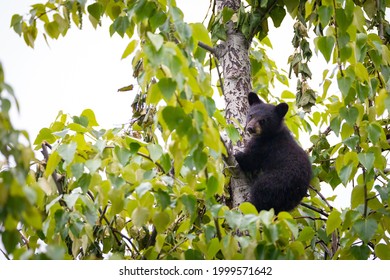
(325, 45)
(54, 160)
(201, 33)
(325, 14)
(44, 134)
(16, 23)
(344, 84)
(335, 125)
(199, 158)
(130, 48)
(175, 118)
(345, 173)
(155, 151)
(357, 196)
(333, 222)
(165, 162)
(192, 254)
(365, 229)
(93, 164)
(277, 14)
(367, 159)
(360, 252)
(209, 104)
(382, 251)
(140, 216)
(143, 188)
(117, 198)
(71, 199)
(350, 115)
(232, 133)
(374, 132)
(90, 115)
(156, 39)
(189, 202)
(344, 17)
(33, 217)
(306, 234)
(67, 151)
(157, 19)
(212, 187)
(163, 198)
(167, 87)
(248, 208)
(161, 221)
(291, 5)
(95, 10)
(122, 154)
(213, 248)
(10, 240)
(121, 24)
(84, 181)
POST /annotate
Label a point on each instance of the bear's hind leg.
(273, 190)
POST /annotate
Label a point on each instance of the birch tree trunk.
(234, 58)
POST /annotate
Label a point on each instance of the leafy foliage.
(157, 189)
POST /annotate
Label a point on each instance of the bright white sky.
(82, 70)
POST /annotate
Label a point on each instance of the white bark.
(233, 56)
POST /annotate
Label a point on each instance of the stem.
(315, 209)
(322, 197)
(207, 48)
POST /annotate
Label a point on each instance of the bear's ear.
(281, 109)
(253, 98)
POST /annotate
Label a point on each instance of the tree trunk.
(234, 58)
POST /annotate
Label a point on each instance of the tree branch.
(315, 209)
(322, 197)
(207, 48)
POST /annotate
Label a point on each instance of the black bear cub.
(280, 168)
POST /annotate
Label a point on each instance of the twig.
(207, 48)
(318, 210)
(5, 254)
(322, 197)
(219, 77)
(128, 240)
(155, 162)
(309, 217)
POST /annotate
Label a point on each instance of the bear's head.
(262, 118)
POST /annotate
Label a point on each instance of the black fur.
(280, 168)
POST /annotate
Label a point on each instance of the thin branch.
(315, 209)
(46, 12)
(322, 197)
(5, 254)
(207, 48)
(220, 77)
(309, 217)
(219, 235)
(155, 162)
(128, 240)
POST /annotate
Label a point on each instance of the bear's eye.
(262, 121)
